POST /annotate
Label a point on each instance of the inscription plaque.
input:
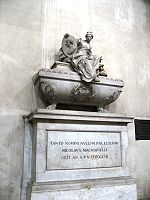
(83, 150)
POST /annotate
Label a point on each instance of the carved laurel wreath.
(112, 98)
(83, 92)
(47, 91)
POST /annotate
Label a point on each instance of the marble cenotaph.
(74, 149)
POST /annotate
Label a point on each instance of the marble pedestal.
(76, 155)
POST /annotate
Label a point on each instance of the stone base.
(76, 155)
(111, 189)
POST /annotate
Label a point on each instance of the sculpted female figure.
(84, 63)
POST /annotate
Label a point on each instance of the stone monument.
(75, 149)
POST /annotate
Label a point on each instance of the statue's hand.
(90, 57)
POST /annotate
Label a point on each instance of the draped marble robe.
(84, 62)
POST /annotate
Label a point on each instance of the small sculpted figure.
(79, 54)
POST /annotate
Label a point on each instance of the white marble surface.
(120, 192)
(62, 126)
(80, 178)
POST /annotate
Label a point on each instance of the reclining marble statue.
(78, 53)
(77, 77)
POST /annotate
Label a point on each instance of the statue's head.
(89, 36)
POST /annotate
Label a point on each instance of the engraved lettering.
(75, 150)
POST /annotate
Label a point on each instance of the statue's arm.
(61, 55)
(79, 42)
(90, 49)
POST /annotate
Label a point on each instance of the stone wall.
(20, 58)
(30, 36)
